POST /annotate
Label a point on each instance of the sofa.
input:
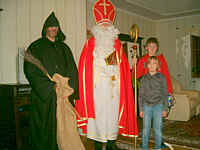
(187, 103)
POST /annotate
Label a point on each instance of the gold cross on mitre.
(104, 5)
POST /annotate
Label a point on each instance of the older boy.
(152, 46)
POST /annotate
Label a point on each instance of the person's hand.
(164, 114)
(141, 114)
(173, 100)
(134, 61)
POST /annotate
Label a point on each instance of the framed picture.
(127, 43)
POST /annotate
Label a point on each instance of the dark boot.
(98, 145)
(111, 145)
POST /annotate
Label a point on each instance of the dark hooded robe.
(56, 57)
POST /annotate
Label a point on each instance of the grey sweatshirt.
(153, 90)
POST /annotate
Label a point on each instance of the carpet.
(183, 133)
(179, 132)
(129, 145)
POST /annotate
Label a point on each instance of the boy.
(153, 102)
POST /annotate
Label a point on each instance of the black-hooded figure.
(56, 57)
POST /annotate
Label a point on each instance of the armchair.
(187, 103)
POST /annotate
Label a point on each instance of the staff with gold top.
(134, 32)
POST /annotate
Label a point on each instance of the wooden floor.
(89, 144)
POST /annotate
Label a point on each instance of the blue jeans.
(155, 113)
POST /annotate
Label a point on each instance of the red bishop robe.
(142, 69)
(85, 105)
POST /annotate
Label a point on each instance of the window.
(195, 56)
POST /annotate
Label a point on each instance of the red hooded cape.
(142, 69)
(85, 105)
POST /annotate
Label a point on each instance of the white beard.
(104, 45)
(104, 40)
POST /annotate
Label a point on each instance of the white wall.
(179, 59)
(21, 23)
